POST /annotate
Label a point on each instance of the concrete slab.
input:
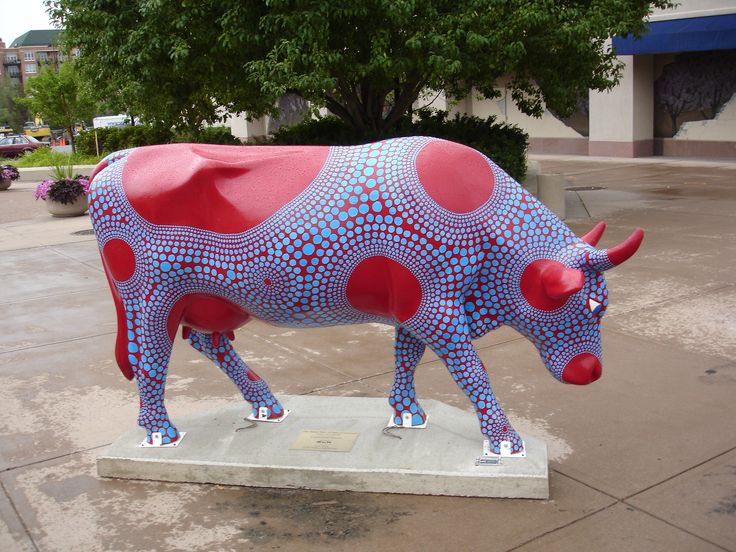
(355, 351)
(70, 396)
(66, 506)
(41, 272)
(439, 460)
(702, 500)
(703, 323)
(45, 320)
(45, 230)
(618, 528)
(626, 432)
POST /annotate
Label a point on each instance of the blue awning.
(696, 34)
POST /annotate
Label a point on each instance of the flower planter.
(5, 183)
(58, 209)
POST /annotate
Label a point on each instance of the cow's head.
(562, 302)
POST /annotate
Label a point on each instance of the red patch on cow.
(224, 189)
(456, 177)
(206, 313)
(381, 286)
(119, 259)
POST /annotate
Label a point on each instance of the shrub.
(115, 139)
(46, 157)
(209, 135)
(504, 143)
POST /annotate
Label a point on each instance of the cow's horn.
(594, 235)
(623, 251)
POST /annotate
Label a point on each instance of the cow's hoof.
(406, 418)
(505, 441)
(162, 437)
(274, 413)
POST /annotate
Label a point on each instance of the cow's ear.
(560, 282)
(548, 284)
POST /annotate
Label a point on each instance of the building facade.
(29, 53)
(677, 95)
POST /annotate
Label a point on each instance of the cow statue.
(423, 234)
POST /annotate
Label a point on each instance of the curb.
(37, 174)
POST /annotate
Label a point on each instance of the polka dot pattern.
(293, 269)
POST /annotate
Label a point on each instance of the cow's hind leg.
(254, 390)
(150, 351)
(408, 352)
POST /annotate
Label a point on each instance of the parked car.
(17, 144)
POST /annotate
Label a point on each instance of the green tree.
(61, 99)
(367, 62)
(12, 113)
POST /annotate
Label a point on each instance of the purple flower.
(42, 190)
(8, 172)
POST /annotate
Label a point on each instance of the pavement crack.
(41, 345)
(565, 525)
(583, 204)
(66, 454)
(678, 474)
(20, 518)
(650, 514)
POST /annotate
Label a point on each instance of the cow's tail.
(121, 342)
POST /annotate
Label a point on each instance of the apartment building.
(28, 53)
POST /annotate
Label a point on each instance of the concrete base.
(439, 460)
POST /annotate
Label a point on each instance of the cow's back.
(224, 189)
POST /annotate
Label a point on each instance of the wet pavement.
(644, 459)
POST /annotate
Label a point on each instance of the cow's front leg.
(253, 388)
(408, 351)
(451, 342)
(152, 350)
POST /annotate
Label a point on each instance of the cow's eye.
(594, 306)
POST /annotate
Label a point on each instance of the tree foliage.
(61, 98)
(12, 113)
(367, 62)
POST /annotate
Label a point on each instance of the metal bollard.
(530, 180)
(551, 192)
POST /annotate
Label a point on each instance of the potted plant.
(8, 173)
(65, 195)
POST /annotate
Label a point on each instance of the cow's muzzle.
(583, 369)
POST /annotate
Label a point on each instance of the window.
(13, 71)
(30, 67)
(43, 56)
(11, 58)
(28, 56)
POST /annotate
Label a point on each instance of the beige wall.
(626, 112)
(504, 109)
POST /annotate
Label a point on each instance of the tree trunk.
(71, 139)
(673, 116)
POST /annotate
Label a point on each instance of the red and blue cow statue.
(423, 234)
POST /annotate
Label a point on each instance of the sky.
(19, 16)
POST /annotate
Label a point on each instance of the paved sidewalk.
(644, 459)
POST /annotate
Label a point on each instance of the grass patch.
(45, 157)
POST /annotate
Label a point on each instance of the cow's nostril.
(583, 369)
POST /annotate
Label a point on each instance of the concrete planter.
(57, 209)
(5, 184)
